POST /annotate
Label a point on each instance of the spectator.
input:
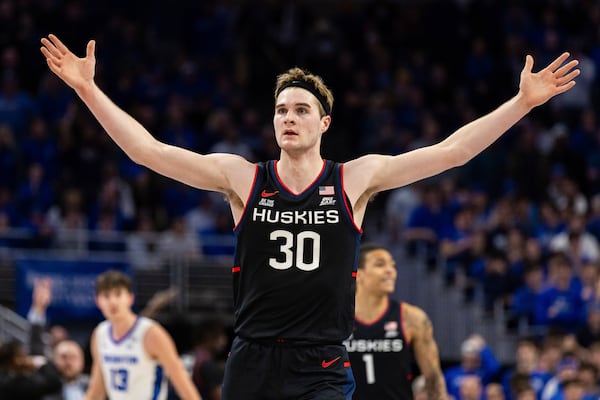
(589, 332)
(179, 244)
(587, 374)
(593, 220)
(142, 245)
(9, 158)
(202, 215)
(477, 359)
(35, 194)
(399, 205)
(118, 187)
(566, 372)
(551, 352)
(69, 222)
(496, 281)
(580, 245)
(218, 240)
(425, 225)
(527, 368)
(589, 275)
(16, 105)
(550, 224)
(39, 147)
(493, 391)
(456, 244)
(525, 394)
(525, 299)
(207, 373)
(107, 235)
(470, 388)
(41, 297)
(26, 377)
(69, 359)
(560, 304)
(230, 141)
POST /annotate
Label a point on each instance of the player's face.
(379, 272)
(114, 303)
(297, 120)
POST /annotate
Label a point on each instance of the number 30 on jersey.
(302, 250)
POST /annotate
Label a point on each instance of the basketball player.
(132, 355)
(388, 335)
(298, 219)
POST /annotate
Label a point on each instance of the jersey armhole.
(347, 206)
(251, 195)
(407, 338)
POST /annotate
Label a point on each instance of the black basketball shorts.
(279, 370)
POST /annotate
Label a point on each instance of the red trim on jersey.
(408, 339)
(348, 208)
(305, 189)
(354, 274)
(236, 269)
(248, 199)
(387, 307)
(347, 364)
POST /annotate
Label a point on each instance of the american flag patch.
(326, 190)
(390, 326)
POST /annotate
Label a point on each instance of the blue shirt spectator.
(561, 305)
(476, 359)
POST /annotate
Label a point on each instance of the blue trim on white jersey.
(125, 336)
(158, 382)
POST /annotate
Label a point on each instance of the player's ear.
(358, 274)
(325, 122)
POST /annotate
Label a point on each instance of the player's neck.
(122, 325)
(298, 172)
(370, 307)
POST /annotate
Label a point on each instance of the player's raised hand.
(539, 87)
(75, 71)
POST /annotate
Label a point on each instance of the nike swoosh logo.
(326, 364)
(268, 194)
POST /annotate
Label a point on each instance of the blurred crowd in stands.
(518, 226)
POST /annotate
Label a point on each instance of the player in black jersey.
(389, 336)
(298, 220)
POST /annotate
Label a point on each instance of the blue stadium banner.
(73, 286)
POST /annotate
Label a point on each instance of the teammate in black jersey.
(294, 288)
(388, 336)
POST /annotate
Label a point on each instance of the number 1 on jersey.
(369, 368)
(295, 255)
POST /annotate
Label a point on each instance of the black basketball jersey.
(294, 276)
(380, 357)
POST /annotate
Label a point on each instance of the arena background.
(200, 74)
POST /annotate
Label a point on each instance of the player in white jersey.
(132, 355)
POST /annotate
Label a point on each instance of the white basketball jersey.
(129, 374)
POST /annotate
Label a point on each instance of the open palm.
(557, 77)
(75, 71)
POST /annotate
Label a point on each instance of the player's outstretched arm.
(159, 344)
(211, 172)
(419, 327)
(374, 173)
(96, 389)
